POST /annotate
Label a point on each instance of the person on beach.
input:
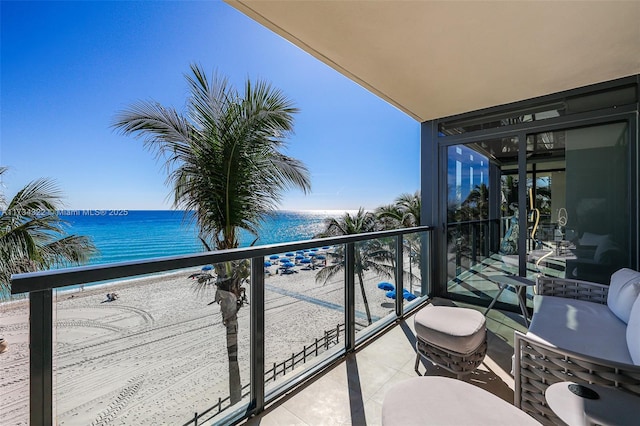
(112, 296)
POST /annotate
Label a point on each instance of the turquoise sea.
(123, 235)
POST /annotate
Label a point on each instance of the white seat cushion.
(633, 332)
(580, 326)
(460, 330)
(623, 292)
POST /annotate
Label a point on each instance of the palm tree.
(369, 255)
(405, 213)
(32, 235)
(223, 158)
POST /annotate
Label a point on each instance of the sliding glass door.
(579, 179)
(576, 220)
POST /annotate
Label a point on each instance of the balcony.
(352, 391)
(309, 344)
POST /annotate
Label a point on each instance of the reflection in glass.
(471, 243)
(579, 181)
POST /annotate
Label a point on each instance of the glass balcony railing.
(157, 341)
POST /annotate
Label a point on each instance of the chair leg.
(417, 364)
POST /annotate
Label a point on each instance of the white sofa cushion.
(623, 292)
(633, 332)
(580, 326)
(589, 239)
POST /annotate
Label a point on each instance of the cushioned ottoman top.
(459, 330)
(445, 401)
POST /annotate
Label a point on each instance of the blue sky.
(68, 67)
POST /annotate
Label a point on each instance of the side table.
(612, 406)
(520, 284)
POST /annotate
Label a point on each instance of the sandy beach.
(157, 354)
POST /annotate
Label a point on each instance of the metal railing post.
(349, 298)
(41, 357)
(399, 275)
(427, 259)
(257, 334)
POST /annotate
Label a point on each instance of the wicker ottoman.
(452, 338)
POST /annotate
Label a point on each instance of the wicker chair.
(537, 365)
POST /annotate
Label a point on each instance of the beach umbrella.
(287, 265)
(326, 248)
(305, 260)
(409, 296)
(312, 254)
(391, 294)
(274, 257)
(289, 254)
(207, 268)
(299, 257)
(386, 286)
(267, 264)
(321, 257)
(314, 249)
(300, 252)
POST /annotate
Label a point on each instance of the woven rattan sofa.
(582, 332)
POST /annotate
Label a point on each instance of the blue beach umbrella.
(267, 264)
(299, 257)
(321, 257)
(391, 294)
(289, 254)
(207, 268)
(312, 254)
(287, 265)
(314, 249)
(274, 257)
(305, 260)
(326, 248)
(300, 252)
(386, 286)
(408, 295)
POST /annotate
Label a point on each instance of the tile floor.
(352, 392)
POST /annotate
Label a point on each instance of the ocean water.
(123, 235)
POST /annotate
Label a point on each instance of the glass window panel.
(14, 364)
(473, 230)
(304, 311)
(580, 186)
(149, 350)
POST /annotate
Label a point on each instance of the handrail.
(50, 279)
(40, 286)
(471, 222)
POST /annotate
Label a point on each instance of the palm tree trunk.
(235, 388)
(229, 308)
(364, 297)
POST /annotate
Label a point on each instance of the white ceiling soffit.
(433, 59)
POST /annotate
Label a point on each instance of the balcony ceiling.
(434, 59)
